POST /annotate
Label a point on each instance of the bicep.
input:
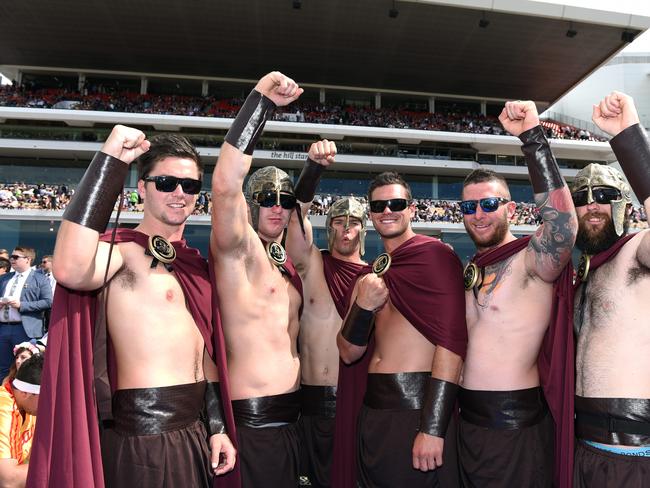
(300, 246)
(230, 227)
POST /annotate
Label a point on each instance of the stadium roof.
(430, 47)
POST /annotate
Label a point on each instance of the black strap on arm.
(247, 127)
(95, 196)
(357, 325)
(307, 183)
(215, 423)
(438, 407)
(632, 151)
(542, 167)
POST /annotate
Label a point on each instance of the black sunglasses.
(168, 184)
(269, 199)
(489, 204)
(600, 195)
(394, 204)
(16, 256)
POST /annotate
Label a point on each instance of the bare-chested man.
(259, 293)
(506, 433)
(612, 309)
(159, 325)
(415, 300)
(326, 277)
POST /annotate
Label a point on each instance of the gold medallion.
(161, 249)
(276, 253)
(583, 267)
(381, 264)
(471, 276)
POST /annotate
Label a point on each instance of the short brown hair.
(389, 178)
(165, 146)
(481, 175)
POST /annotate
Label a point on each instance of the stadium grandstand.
(414, 86)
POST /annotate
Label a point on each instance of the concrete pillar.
(432, 105)
(321, 95)
(144, 85)
(81, 82)
(377, 101)
(204, 88)
(483, 107)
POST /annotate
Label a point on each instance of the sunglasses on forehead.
(394, 204)
(600, 195)
(168, 184)
(489, 204)
(269, 199)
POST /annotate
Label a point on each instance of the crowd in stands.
(56, 197)
(319, 113)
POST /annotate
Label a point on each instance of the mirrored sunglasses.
(600, 195)
(489, 204)
(168, 184)
(394, 204)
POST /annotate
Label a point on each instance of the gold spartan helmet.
(265, 179)
(346, 207)
(595, 175)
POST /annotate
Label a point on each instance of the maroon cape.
(601, 258)
(425, 283)
(66, 450)
(555, 361)
(339, 275)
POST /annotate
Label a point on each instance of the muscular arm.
(550, 248)
(80, 258)
(299, 247)
(350, 352)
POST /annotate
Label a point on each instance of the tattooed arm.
(550, 248)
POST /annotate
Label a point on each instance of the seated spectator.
(18, 408)
(22, 352)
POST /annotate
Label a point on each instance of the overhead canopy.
(428, 47)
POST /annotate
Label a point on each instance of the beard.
(591, 241)
(500, 231)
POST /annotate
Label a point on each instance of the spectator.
(22, 352)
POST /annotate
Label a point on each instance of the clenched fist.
(322, 152)
(372, 293)
(281, 89)
(615, 113)
(126, 143)
(517, 117)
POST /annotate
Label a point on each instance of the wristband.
(439, 402)
(95, 196)
(633, 153)
(305, 188)
(213, 410)
(247, 127)
(542, 167)
(357, 325)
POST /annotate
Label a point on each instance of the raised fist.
(323, 152)
(281, 89)
(517, 117)
(615, 113)
(372, 293)
(126, 143)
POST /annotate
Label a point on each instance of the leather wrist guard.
(438, 406)
(213, 410)
(357, 325)
(307, 183)
(247, 127)
(632, 151)
(542, 167)
(95, 196)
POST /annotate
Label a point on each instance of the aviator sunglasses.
(394, 204)
(489, 204)
(600, 195)
(269, 199)
(168, 184)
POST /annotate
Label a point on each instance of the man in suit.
(46, 269)
(24, 295)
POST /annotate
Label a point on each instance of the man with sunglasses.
(25, 295)
(611, 313)
(138, 306)
(413, 295)
(519, 364)
(326, 277)
(259, 293)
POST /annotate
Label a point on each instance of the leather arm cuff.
(633, 153)
(95, 196)
(307, 183)
(213, 409)
(247, 127)
(542, 167)
(357, 325)
(439, 402)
